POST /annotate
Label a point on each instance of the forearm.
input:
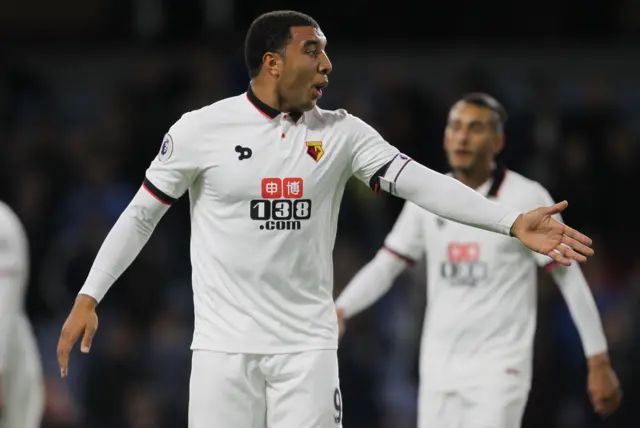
(583, 309)
(123, 243)
(446, 197)
(370, 283)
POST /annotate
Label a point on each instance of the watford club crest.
(315, 150)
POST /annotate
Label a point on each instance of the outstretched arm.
(445, 196)
(376, 162)
(448, 198)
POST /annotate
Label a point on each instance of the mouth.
(317, 89)
(463, 152)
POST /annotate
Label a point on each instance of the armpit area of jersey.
(383, 174)
(157, 193)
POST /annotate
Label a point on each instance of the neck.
(475, 178)
(266, 92)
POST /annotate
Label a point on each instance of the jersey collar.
(266, 110)
(499, 173)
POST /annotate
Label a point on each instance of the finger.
(558, 257)
(569, 253)
(577, 246)
(87, 339)
(65, 344)
(580, 237)
(557, 208)
(63, 356)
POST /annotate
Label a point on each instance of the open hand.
(82, 320)
(540, 232)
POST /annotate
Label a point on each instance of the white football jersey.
(265, 190)
(481, 287)
(20, 368)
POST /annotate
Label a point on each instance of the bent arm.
(445, 196)
(124, 242)
(370, 283)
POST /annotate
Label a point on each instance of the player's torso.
(264, 210)
(481, 287)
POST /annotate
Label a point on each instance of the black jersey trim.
(157, 193)
(499, 174)
(374, 183)
(267, 110)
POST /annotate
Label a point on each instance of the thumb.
(87, 338)
(557, 208)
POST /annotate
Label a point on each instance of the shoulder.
(216, 113)
(207, 120)
(340, 118)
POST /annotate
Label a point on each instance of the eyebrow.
(309, 43)
(471, 122)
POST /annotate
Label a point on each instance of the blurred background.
(89, 87)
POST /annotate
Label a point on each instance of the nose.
(461, 136)
(325, 66)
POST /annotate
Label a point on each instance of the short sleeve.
(406, 240)
(544, 199)
(369, 151)
(175, 167)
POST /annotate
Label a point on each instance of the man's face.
(305, 69)
(470, 139)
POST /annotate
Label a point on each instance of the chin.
(308, 105)
(461, 166)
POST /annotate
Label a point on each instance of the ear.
(272, 64)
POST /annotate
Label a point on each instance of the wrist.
(598, 361)
(514, 226)
(86, 301)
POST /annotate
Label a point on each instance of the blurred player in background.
(477, 343)
(266, 171)
(21, 381)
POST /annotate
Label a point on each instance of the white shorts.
(487, 406)
(256, 391)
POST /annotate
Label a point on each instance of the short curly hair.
(271, 32)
